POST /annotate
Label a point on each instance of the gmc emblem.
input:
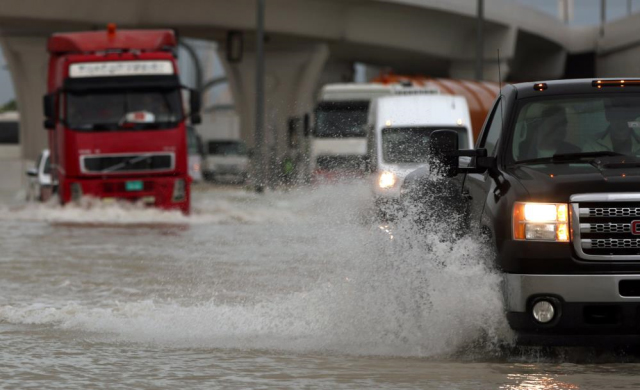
(635, 227)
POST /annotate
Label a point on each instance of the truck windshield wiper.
(577, 156)
(570, 157)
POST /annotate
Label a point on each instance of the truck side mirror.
(195, 106)
(443, 148)
(49, 109)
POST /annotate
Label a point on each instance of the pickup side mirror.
(195, 104)
(49, 109)
(32, 172)
(443, 148)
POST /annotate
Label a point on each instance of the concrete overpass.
(309, 42)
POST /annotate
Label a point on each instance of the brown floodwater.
(298, 289)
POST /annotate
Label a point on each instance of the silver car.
(41, 183)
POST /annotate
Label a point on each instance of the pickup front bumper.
(589, 309)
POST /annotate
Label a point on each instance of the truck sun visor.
(140, 82)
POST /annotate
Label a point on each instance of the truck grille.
(603, 229)
(127, 163)
(610, 211)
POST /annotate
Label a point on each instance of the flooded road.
(297, 289)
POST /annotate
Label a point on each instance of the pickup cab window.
(589, 124)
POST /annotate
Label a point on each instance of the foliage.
(11, 105)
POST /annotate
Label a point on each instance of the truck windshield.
(341, 119)
(576, 128)
(110, 110)
(411, 144)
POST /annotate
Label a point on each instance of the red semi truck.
(115, 115)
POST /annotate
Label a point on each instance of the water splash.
(418, 294)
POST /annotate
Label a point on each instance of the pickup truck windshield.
(586, 127)
(341, 119)
(109, 110)
(410, 144)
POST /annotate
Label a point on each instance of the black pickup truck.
(554, 185)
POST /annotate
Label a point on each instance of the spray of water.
(402, 289)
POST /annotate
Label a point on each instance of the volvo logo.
(635, 227)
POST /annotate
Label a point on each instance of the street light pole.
(258, 160)
(603, 16)
(480, 41)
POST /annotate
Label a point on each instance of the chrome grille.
(610, 212)
(611, 243)
(605, 228)
(602, 226)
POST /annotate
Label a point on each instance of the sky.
(586, 12)
(6, 86)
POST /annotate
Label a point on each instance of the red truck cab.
(115, 113)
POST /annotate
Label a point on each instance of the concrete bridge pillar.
(292, 76)
(27, 59)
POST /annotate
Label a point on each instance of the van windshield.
(227, 148)
(110, 110)
(588, 126)
(411, 144)
(341, 119)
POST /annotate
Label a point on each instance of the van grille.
(605, 230)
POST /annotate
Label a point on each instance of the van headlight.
(541, 221)
(387, 180)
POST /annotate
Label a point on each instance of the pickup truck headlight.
(541, 221)
(387, 180)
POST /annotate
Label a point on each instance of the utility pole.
(480, 41)
(603, 16)
(258, 159)
(629, 8)
(565, 7)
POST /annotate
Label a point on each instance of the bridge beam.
(293, 73)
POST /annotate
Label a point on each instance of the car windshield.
(574, 128)
(47, 165)
(227, 148)
(194, 145)
(411, 144)
(112, 110)
(9, 132)
(341, 119)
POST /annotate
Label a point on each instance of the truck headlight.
(541, 221)
(179, 190)
(387, 180)
(76, 192)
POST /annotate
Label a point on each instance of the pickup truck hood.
(557, 182)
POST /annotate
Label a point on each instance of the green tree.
(11, 105)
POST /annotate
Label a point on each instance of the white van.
(227, 160)
(338, 142)
(398, 134)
